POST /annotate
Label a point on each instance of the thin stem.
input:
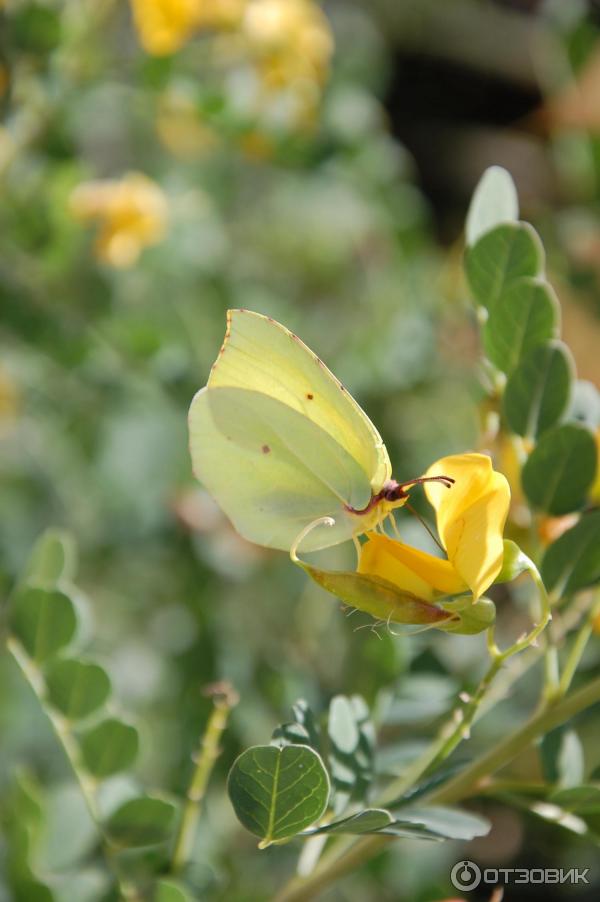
(466, 783)
(62, 731)
(577, 650)
(225, 698)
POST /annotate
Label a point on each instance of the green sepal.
(474, 618)
(514, 563)
(375, 596)
(385, 602)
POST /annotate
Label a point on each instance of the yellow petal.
(412, 570)
(471, 516)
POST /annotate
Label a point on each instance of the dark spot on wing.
(309, 396)
(265, 449)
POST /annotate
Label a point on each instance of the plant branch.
(225, 698)
(67, 741)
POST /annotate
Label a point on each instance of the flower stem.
(577, 650)
(224, 699)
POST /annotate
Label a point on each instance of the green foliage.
(538, 391)
(526, 316)
(494, 201)
(146, 821)
(53, 559)
(560, 469)
(77, 688)
(509, 253)
(44, 621)
(572, 562)
(350, 747)
(109, 747)
(561, 756)
(278, 792)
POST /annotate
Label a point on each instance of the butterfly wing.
(272, 469)
(262, 355)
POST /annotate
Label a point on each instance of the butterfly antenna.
(424, 524)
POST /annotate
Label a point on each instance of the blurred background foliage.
(314, 164)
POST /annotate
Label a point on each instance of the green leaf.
(53, 559)
(169, 891)
(560, 470)
(580, 799)
(278, 792)
(350, 749)
(494, 201)
(343, 729)
(573, 561)
(421, 697)
(304, 730)
(145, 821)
(375, 820)
(109, 747)
(562, 757)
(43, 620)
(538, 391)
(524, 317)
(368, 821)
(500, 257)
(449, 823)
(77, 687)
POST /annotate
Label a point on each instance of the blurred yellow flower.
(180, 127)
(131, 212)
(290, 40)
(470, 521)
(164, 26)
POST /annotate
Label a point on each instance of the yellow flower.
(290, 38)
(470, 521)
(131, 212)
(164, 26)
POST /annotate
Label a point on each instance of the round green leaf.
(169, 891)
(145, 821)
(76, 687)
(494, 201)
(573, 561)
(509, 252)
(277, 792)
(538, 392)
(109, 747)
(525, 316)
(342, 726)
(53, 558)
(560, 469)
(43, 620)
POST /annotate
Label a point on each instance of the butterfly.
(281, 444)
